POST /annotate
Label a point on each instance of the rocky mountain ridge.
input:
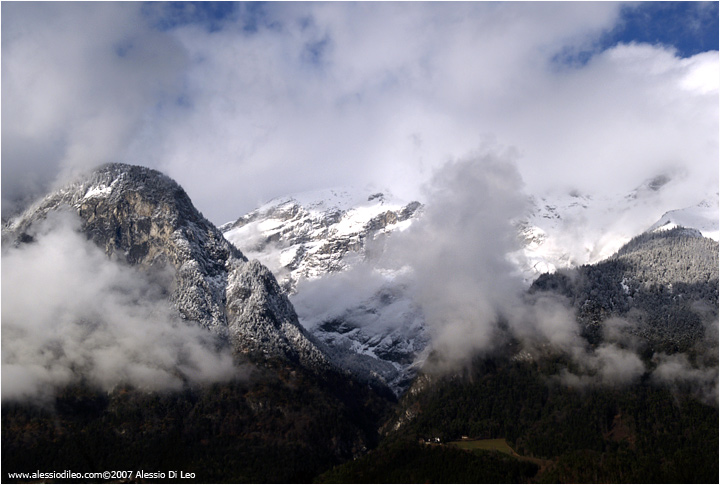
(142, 218)
(304, 236)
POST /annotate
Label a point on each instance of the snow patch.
(703, 217)
(98, 191)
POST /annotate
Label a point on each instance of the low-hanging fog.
(70, 314)
(456, 268)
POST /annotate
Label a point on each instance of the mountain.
(702, 217)
(569, 229)
(285, 413)
(311, 234)
(555, 416)
(316, 241)
(665, 283)
(143, 218)
(376, 332)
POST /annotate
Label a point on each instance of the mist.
(332, 296)
(70, 314)
(456, 261)
(456, 251)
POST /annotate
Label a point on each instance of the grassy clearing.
(498, 444)
(495, 445)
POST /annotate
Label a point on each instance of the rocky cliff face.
(143, 218)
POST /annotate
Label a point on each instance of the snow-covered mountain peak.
(703, 217)
(566, 229)
(335, 198)
(313, 233)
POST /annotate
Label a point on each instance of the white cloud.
(676, 371)
(327, 94)
(399, 89)
(69, 312)
(460, 275)
(702, 75)
(79, 79)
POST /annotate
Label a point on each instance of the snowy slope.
(311, 234)
(324, 248)
(703, 217)
(564, 230)
(321, 246)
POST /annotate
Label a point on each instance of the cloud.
(289, 97)
(618, 366)
(472, 297)
(546, 321)
(608, 365)
(677, 372)
(79, 82)
(70, 313)
(397, 90)
(334, 295)
(457, 251)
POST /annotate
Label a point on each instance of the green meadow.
(494, 445)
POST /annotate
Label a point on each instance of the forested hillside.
(654, 303)
(281, 424)
(638, 434)
(665, 283)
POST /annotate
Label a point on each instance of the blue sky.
(244, 102)
(688, 27)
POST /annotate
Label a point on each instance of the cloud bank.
(69, 314)
(456, 251)
(79, 81)
(457, 268)
(277, 98)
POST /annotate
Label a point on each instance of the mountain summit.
(308, 235)
(141, 217)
